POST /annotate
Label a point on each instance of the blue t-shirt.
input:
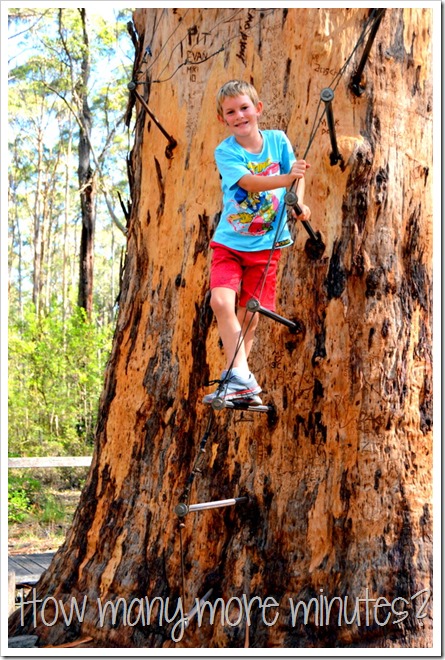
(249, 220)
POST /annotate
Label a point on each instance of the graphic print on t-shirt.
(257, 211)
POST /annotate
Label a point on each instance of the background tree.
(56, 356)
(53, 92)
(339, 473)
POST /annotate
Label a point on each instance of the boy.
(256, 167)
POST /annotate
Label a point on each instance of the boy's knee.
(220, 302)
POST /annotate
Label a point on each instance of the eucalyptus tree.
(331, 543)
(67, 93)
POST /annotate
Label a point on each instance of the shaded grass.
(45, 527)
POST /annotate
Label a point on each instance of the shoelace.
(217, 381)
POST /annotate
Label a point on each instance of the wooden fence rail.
(49, 461)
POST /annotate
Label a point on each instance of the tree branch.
(103, 185)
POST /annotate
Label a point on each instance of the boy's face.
(240, 115)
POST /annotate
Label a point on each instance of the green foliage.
(22, 493)
(31, 501)
(55, 379)
(18, 505)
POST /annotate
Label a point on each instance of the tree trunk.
(338, 474)
(39, 227)
(87, 184)
(16, 242)
(66, 218)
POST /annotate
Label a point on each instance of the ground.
(36, 535)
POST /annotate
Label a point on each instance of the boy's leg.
(225, 277)
(248, 323)
(239, 384)
(222, 302)
(260, 278)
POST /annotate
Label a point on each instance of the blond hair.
(235, 88)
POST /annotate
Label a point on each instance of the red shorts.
(243, 272)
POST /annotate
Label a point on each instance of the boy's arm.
(256, 183)
(299, 188)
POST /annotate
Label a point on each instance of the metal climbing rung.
(189, 616)
(314, 245)
(219, 403)
(253, 305)
(182, 509)
(327, 96)
(172, 143)
(356, 80)
(291, 199)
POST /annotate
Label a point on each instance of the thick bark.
(339, 478)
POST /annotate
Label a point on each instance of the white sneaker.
(236, 388)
